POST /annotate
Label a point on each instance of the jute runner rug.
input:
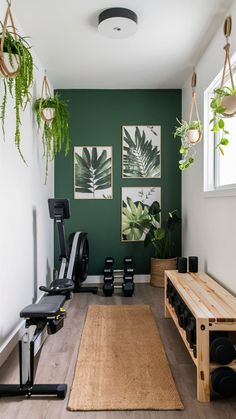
(121, 363)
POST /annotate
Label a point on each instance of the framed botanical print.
(141, 151)
(135, 204)
(93, 172)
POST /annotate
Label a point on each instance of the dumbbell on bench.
(222, 350)
(191, 331)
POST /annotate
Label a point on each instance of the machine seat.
(49, 306)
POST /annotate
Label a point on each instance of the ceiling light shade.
(117, 22)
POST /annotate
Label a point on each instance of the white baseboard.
(98, 279)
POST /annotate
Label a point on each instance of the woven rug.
(121, 363)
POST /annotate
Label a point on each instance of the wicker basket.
(158, 266)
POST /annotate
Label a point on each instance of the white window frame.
(211, 157)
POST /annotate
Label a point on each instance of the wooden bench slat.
(198, 309)
(215, 304)
(207, 298)
(225, 296)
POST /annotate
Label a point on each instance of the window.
(219, 170)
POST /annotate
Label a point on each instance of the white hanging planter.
(9, 67)
(47, 114)
(193, 136)
(229, 103)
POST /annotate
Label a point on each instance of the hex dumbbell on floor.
(125, 275)
(108, 287)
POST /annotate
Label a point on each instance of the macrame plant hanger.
(3, 68)
(194, 106)
(46, 93)
(227, 32)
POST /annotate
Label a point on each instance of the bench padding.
(48, 306)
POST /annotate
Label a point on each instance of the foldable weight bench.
(48, 317)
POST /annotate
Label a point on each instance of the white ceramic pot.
(11, 66)
(194, 136)
(229, 103)
(47, 114)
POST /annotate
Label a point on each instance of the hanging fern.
(56, 132)
(19, 86)
(141, 158)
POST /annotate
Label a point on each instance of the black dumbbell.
(191, 331)
(172, 296)
(169, 287)
(184, 317)
(128, 278)
(222, 350)
(129, 270)
(178, 305)
(128, 266)
(109, 261)
(223, 381)
(109, 266)
(128, 289)
(108, 287)
(107, 270)
(128, 261)
(194, 351)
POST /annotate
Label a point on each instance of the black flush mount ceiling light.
(117, 22)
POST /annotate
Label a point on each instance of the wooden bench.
(214, 309)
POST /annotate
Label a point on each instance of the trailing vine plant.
(189, 132)
(16, 71)
(52, 115)
(223, 102)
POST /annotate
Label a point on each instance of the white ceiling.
(171, 36)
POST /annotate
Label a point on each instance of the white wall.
(26, 232)
(209, 224)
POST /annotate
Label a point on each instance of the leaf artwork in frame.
(135, 205)
(141, 151)
(93, 172)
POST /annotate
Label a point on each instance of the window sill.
(218, 193)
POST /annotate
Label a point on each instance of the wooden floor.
(59, 356)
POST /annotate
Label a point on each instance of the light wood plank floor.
(59, 356)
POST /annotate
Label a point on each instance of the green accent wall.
(96, 118)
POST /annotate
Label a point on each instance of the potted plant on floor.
(162, 239)
(52, 113)
(190, 134)
(16, 72)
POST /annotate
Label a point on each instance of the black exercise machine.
(47, 317)
(74, 256)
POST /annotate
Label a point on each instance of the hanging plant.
(223, 103)
(190, 132)
(16, 71)
(52, 114)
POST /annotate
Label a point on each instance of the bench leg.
(203, 358)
